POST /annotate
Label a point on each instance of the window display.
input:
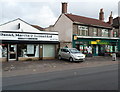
(4, 50)
(81, 48)
(28, 50)
(116, 49)
(111, 48)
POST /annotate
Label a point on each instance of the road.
(90, 78)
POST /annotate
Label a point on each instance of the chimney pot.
(110, 19)
(101, 15)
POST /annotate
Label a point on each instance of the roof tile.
(88, 21)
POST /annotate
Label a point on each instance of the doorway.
(12, 52)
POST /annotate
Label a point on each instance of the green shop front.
(95, 46)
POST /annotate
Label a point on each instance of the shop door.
(101, 50)
(95, 50)
(12, 52)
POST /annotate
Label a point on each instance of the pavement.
(17, 68)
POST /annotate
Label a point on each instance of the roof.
(88, 21)
(38, 27)
(116, 22)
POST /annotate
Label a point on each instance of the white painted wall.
(24, 27)
(13, 25)
(64, 26)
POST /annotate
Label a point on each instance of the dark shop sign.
(28, 36)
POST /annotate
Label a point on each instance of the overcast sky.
(46, 12)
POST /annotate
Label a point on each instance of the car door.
(62, 53)
(67, 54)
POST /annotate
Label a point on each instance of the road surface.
(90, 78)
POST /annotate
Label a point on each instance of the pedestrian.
(114, 56)
(66, 46)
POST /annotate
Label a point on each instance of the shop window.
(107, 48)
(111, 48)
(4, 50)
(85, 49)
(116, 49)
(83, 30)
(28, 50)
(95, 32)
(105, 33)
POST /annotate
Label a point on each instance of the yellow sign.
(98, 40)
(75, 37)
(93, 42)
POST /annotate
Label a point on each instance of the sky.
(46, 12)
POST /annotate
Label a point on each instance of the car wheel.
(71, 59)
(59, 57)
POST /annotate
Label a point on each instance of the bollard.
(114, 57)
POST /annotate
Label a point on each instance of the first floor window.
(95, 32)
(105, 33)
(114, 34)
(82, 30)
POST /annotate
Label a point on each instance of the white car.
(72, 54)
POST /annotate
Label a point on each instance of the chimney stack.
(101, 15)
(110, 19)
(64, 7)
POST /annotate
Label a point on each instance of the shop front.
(95, 46)
(21, 46)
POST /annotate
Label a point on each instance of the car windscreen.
(74, 51)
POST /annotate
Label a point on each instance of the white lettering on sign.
(28, 36)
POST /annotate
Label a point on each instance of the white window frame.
(83, 30)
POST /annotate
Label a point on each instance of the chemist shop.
(29, 46)
(95, 46)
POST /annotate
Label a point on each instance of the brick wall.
(99, 32)
(63, 44)
(90, 32)
(75, 29)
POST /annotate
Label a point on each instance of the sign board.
(28, 36)
(100, 42)
(93, 42)
(75, 37)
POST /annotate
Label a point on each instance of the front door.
(12, 52)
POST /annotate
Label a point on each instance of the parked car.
(72, 54)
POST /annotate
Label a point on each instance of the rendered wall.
(64, 26)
